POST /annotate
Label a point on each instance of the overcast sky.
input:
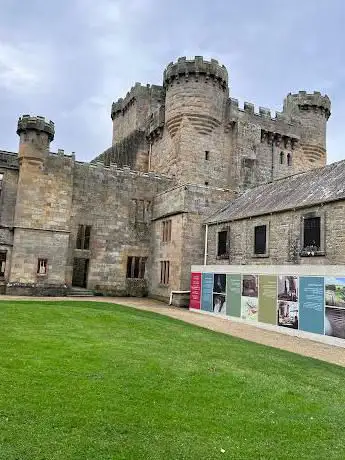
(68, 60)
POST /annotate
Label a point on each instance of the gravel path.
(306, 347)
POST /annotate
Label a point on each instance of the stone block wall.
(284, 238)
(111, 201)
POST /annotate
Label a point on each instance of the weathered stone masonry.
(180, 150)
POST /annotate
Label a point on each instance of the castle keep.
(131, 222)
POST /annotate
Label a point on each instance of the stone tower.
(196, 93)
(35, 135)
(310, 112)
(43, 206)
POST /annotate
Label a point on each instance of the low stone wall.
(37, 291)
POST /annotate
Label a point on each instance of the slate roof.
(320, 185)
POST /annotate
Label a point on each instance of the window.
(207, 155)
(289, 159)
(166, 231)
(206, 183)
(281, 158)
(2, 263)
(222, 246)
(42, 266)
(165, 272)
(83, 237)
(141, 210)
(312, 232)
(260, 239)
(136, 267)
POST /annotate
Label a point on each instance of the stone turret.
(196, 94)
(311, 111)
(35, 135)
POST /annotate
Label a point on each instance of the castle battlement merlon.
(195, 67)
(137, 91)
(38, 123)
(308, 101)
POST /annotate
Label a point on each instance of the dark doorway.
(80, 271)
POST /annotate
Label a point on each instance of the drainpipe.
(150, 153)
(205, 249)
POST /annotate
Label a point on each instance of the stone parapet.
(40, 124)
(195, 67)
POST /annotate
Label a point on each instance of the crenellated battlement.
(251, 109)
(116, 170)
(195, 67)
(136, 92)
(308, 101)
(41, 124)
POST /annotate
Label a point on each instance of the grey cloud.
(70, 60)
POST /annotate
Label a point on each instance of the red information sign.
(195, 290)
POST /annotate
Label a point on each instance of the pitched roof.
(320, 185)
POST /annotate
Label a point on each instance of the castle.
(132, 221)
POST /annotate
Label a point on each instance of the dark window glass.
(222, 243)
(129, 267)
(83, 237)
(312, 234)
(2, 264)
(136, 267)
(87, 237)
(289, 162)
(260, 239)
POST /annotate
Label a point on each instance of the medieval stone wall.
(111, 201)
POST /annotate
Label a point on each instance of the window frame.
(164, 272)
(136, 264)
(307, 251)
(3, 274)
(264, 223)
(166, 231)
(45, 263)
(226, 254)
(83, 237)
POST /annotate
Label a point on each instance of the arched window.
(281, 158)
(289, 159)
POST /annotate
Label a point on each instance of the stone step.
(80, 292)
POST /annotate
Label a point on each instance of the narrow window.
(260, 239)
(166, 231)
(2, 264)
(129, 267)
(87, 237)
(142, 267)
(80, 236)
(136, 267)
(222, 243)
(281, 158)
(206, 183)
(207, 155)
(42, 265)
(165, 272)
(83, 237)
(312, 232)
(289, 159)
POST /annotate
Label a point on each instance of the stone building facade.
(131, 222)
(293, 221)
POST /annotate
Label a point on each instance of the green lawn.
(87, 380)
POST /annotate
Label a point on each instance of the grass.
(84, 380)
